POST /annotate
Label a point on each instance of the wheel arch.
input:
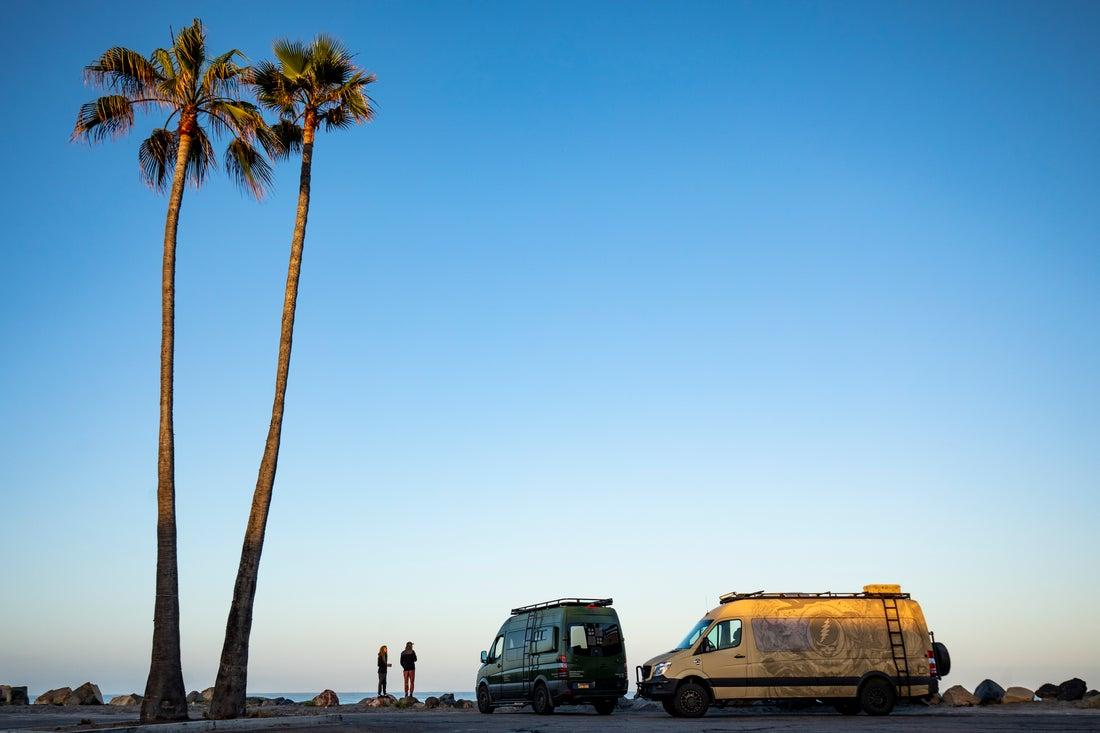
(701, 681)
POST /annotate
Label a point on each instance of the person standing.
(383, 666)
(408, 668)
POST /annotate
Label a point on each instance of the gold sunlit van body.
(858, 651)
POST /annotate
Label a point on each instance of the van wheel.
(670, 708)
(691, 700)
(877, 696)
(542, 703)
(605, 707)
(484, 701)
(847, 707)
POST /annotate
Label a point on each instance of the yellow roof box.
(890, 588)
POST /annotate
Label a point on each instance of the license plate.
(583, 685)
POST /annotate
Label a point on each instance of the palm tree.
(193, 90)
(311, 86)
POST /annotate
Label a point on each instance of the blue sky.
(654, 302)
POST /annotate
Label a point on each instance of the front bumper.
(657, 688)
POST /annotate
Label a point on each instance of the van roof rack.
(601, 602)
(735, 596)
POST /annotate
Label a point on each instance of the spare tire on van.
(942, 657)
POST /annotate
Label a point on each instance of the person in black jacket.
(408, 667)
(383, 666)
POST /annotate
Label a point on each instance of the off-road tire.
(605, 707)
(669, 708)
(484, 700)
(943, 659)
(847, 707)
(691, 700)
(877, 696)
(542, 703)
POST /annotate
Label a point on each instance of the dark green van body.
(575, 649)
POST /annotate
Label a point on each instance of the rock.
(53, 697)
(194, 697)
(126, 700)
(645, 707)
(1048, 691)
(989, 693)
(326, 699)
(208, 694)
(254, 701)
(447, 698)
(935, 699)
(382, 701)
(1072, 690)
(406, 702)
(273, 701)
(431, 702)
(624, 704)
(1017, 694)
(13, 695)
(1090, 703)
(1090, 693)
(959, 697)
(86, 694)
(464, 704)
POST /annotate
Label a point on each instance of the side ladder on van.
(897, 647)
(528, 664)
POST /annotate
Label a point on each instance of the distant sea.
(350, 698)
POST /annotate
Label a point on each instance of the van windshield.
(693, 635)
(595, 640)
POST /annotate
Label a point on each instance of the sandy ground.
(1025, 717)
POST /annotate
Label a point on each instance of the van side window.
(544, 639)
(513, 645)
(498, 648)
(725, 635)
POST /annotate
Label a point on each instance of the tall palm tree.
(196, 93)
(311, 86)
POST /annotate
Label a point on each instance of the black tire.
(542, 702)
(877, 696)
(484, 700)
(605, 707)
(847, 707)
(943, 659)
(670, 708)
(691, 700)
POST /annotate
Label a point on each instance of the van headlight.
(660, 668)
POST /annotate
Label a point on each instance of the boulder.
(1047, 691)
(934, 699)
(1072, 690)
(1090, 693)
(958, 696)
(13, 695)
(86, 694)
(53, 697)
(327, 699)
(195, 697)
(645, 707)
(989, 693)
(406, 702)
(624, 704)
(447, 698)
(126, 701)
(431, 702)
(1017, 694)
(1090, 703)
(464, 704)
(208, 694)
(382, 701)
(273, 701)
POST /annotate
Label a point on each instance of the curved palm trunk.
(229, 689)
(165, 697)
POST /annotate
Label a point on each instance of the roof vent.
(885, 588)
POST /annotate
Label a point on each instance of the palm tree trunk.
(229, 689)
(165, 696)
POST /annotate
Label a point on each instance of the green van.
(564, 652)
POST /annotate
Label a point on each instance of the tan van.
(858, 651)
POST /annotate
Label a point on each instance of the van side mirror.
(484, 657)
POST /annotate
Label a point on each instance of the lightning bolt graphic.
(825, 630)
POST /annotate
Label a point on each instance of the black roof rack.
(563, 602)
(734, 596)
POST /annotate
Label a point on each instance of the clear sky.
(654, 301)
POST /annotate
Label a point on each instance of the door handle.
(738, 656)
